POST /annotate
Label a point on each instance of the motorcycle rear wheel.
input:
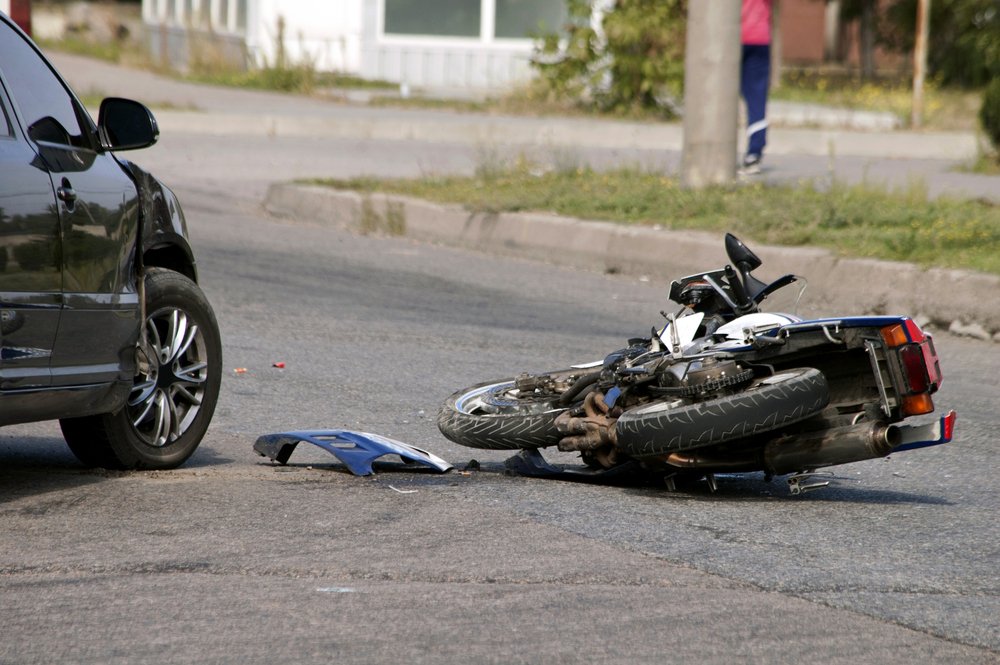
(488, 416)
(768, 404)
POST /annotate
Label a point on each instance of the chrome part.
(829, 447)
(922, 436)
(836, 330)
(797, 486)
(877, 358)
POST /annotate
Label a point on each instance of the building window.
(518, 19)
(448, 18)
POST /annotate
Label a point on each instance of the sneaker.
(751, 164)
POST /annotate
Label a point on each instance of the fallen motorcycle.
(721, 387)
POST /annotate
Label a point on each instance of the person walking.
(755, 77)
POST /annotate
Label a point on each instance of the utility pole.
(711, 92)
(920, 61)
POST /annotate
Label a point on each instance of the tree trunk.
(920, 62)
(867, 38)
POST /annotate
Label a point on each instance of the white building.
(480, 44)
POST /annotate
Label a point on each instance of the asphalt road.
(230, 559)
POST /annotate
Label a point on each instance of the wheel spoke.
(191, 375)
(162, 419)
(148, 407)
(173, 423)
(155, 343)
(181, 390)
(189, 338)
(176, 335)
(145, 391)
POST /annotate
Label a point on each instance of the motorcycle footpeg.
(797, 484)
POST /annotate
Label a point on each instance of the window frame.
(15, 114)
(487, 32)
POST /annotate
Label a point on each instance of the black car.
(102, 323)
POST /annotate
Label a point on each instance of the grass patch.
(109, 51)
(945, 109)
(852, 220)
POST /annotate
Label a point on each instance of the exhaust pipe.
(838, 445)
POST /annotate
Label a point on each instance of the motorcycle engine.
(704, 376)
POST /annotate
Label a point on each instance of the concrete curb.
(962, 302)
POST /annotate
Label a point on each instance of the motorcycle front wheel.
(662, 427)
(495, 416)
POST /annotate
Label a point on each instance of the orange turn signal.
(894, 336)
(916, 405)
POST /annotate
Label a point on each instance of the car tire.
(173, 396)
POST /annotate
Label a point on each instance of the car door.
(97, 221)
(30, 267)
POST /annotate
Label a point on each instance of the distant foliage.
(964, 46)
(633, 60)
(989, 113)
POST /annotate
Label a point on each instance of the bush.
(964, 47)
(989, 113)
(634, 61)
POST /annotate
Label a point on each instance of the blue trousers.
(755, 78)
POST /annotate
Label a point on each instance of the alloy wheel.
(171, 380)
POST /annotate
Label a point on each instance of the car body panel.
(72, 215)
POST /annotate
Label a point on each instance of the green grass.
(861, 220)
(945, 109)
(295, 79)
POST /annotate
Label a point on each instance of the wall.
(326, 34)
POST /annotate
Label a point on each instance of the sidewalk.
(198, 108)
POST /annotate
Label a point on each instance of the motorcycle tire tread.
(507, 431)
(762, 407)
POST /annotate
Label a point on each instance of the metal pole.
(920, 61)
(711, 93)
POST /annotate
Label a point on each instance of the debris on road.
(356, 450)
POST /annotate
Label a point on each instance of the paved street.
(232, 560)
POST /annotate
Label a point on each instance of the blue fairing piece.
(357, 450)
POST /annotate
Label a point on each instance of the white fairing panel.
(734, 329)
(687, 328)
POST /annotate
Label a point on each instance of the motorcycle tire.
(465, 419)
(765, 405)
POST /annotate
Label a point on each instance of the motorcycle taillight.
(912, 358)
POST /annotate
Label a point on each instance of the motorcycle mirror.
(740, 254)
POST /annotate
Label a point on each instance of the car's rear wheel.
(175, 389)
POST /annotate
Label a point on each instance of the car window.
(47, 108)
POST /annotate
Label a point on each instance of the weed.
(392, 222)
